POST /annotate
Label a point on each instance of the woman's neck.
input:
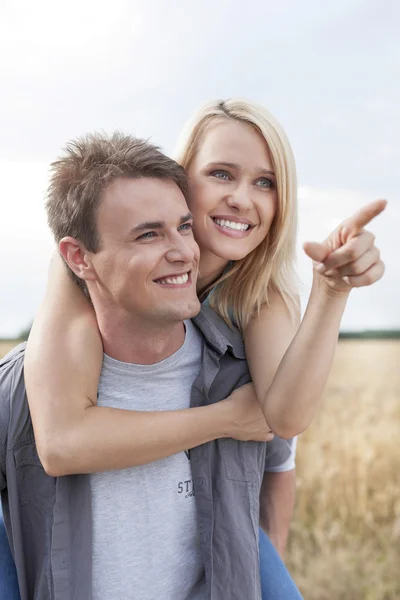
(211, 268)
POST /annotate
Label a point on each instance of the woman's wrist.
(321, 289)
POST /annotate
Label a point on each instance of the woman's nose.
(240, 199)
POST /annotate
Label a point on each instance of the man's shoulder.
(218, 334)
(14, 356)
(12, 369)
(14, 411)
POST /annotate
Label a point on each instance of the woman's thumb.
(316, 251)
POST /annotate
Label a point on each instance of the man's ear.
(77, 258)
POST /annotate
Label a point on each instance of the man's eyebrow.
(159, 224)
(149, 225)
(237, 167)
(188, 217)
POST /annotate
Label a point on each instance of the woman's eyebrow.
(237, 167)
(223, 164)
(266, 172)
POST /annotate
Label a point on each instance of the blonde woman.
(242, 193)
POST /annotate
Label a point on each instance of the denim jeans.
(276, 582)
(8, 576)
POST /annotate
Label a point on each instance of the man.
(178, 524)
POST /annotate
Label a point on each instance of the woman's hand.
(247, 422)
(348, 257)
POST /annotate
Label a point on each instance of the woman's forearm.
(104, 438)
(293, 397)
(62, 368)
(72, 433)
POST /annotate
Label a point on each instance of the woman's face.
(232, 190)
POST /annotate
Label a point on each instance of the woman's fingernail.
(321, 268)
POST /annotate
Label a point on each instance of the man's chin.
(185, 311)
(191, 310)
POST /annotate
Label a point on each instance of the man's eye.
(147, 236)
(186, 227)
(221, 175)
(266, 183)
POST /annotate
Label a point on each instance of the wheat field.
(345, 536)
(6, 346)
(344, 542)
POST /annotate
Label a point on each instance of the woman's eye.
(147, 236)
(221, 175)
(266, 183)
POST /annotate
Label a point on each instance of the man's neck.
(138, 342)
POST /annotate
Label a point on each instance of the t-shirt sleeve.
(280, 455)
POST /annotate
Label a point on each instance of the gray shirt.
(146, 541)
(49, 520)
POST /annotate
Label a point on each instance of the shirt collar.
(218, 334)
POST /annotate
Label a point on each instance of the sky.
(330, 73)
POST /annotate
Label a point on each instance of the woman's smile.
(232, 226)
(232, 193)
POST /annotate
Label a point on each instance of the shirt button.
(200, 483)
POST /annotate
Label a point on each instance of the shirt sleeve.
(281, 456)
(11, 371)
(5, 390)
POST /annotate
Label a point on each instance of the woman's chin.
(229, 253)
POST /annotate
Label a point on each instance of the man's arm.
(277, 498)
(5, 391)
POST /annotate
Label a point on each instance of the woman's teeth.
(175, 280)
(232, 224)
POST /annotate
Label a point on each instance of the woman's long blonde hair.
(243, 289)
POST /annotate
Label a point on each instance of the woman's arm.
(73, 435)
(290, 369)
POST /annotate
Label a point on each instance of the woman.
(242, 193)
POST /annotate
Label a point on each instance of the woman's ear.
(77, 258)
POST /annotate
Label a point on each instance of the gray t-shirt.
(145, 533)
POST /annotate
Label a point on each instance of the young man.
(171, 523)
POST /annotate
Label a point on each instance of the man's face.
(147, 263)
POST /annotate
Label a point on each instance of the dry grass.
(6, 346)
(345, 538)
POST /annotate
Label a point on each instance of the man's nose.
(181, 250)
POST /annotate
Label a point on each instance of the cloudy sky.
(330, 72)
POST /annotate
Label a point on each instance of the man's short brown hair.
(87, 167)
